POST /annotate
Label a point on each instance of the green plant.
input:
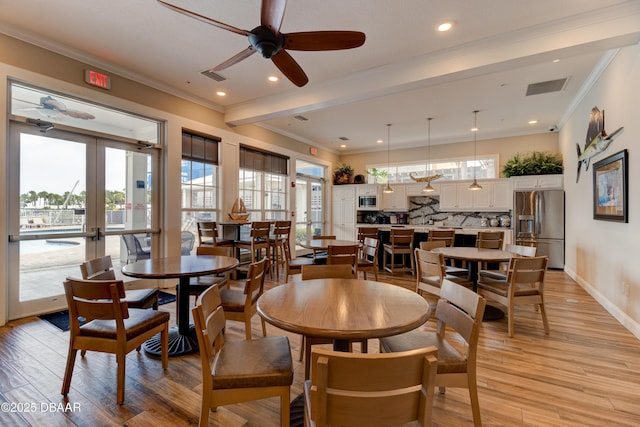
(534, 163)
(376, 173)
(342, 173)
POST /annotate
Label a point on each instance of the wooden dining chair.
(238, 371)
(344, 255)
(447, 236)
(197, 285)
(294, 266)
(431, 273)
(451, 269)
(524, 285)
(489, 240)
(350, 389)
(102, 269)
(368, 260)
(460, 309)
(501, 273)
(314, 271)
(320, 255)
(208, 234)
(110, 326)
(240, 304)
(401, 243)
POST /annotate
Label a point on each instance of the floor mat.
(60, 319)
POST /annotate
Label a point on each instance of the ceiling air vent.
(344, 138)
(301, 118)
(212, 75)
(546, 87)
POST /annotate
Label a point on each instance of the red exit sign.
(95, 78)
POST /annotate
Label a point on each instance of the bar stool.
(401, 243)
(278, 243)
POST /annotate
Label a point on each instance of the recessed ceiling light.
(379, 141)
(272, 78)
(445, 26)
(556, 60)
(221, 93)
(533, 122)
(474, 129)
(343, 145)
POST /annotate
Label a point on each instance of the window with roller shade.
(199, 179)
(263, 179)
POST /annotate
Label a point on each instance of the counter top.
(426, 228)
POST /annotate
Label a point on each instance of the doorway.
(71, 197)
(310, 200)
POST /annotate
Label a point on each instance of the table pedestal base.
(492, 312)
(178, 344)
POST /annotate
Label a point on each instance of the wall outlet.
(626, 289)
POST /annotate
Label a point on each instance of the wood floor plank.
(585, 373)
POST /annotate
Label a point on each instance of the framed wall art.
(611, 188)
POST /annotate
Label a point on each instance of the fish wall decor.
(597, 139)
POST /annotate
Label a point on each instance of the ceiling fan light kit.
(272, 44)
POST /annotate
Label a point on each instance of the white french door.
(309, 207)
(71, 195)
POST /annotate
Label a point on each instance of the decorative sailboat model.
(238, 211)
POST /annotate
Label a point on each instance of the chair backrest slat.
(98, 269)
(372, 389)
(446, 236)
(327, 272)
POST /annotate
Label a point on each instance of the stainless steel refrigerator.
(538, 220)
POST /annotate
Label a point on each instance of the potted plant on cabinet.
(342, 174)
(535, 163)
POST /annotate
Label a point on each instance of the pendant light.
(388, 188)
(429, 188)
(475, 186)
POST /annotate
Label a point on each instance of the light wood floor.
(585, 373)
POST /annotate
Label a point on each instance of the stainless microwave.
(368, 202)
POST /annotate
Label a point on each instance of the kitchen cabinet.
(416, 189)
(494, 196)
(536, 182)
(343, 209)
(396, 201)
(367, 190)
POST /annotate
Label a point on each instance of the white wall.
(602, 255)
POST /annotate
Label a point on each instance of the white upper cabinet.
(494, 196)
(416, 189)
(536, 182)
(396, 201)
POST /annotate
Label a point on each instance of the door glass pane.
(52, 197)
(301, 210)
(128, 202)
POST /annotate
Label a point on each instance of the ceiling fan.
(271, 43)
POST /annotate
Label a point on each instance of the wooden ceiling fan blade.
(235, 59)
(290, 68)
(323, 40)
(205, 19)
(272, 13)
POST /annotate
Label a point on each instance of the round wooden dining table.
(343, 310)
(183, 339)
(474, 256)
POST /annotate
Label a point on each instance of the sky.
(54, 166)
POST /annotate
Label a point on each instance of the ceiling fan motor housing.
(265, 42)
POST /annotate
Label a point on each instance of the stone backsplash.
(423, 209)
